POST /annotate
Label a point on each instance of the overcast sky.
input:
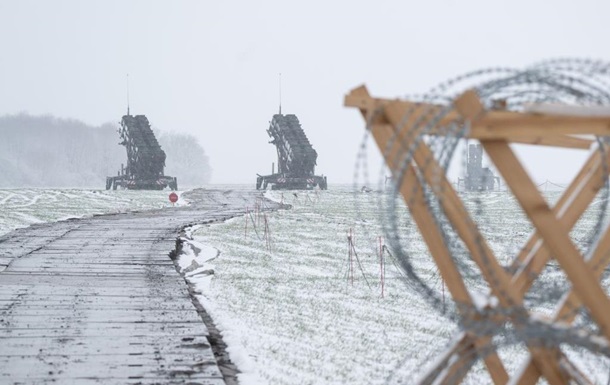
(210, 68)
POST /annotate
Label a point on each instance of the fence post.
(381, 266)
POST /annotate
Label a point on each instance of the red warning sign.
(173, 197)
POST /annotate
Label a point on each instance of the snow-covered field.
(23, 207)
(291, 315)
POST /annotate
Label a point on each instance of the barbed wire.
(580, 82)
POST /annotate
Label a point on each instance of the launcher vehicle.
(478, 178)
(145, 158)
(296, 158)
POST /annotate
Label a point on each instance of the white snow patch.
(23, 207)
(194, 262)
(232, 330)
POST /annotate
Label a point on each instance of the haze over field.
(210, 69)
(43, 151)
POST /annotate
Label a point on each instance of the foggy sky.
(210, 68)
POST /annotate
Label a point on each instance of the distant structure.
(145, 158)
(478, 178)
(559, 103)
(296, 158)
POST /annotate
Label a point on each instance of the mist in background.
(210, 69)
(44, 151)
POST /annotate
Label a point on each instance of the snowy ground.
(23, 207)
(292, 316)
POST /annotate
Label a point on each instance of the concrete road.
(99, 300)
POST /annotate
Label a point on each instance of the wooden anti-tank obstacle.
(397, 127)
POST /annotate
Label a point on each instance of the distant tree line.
(44, 151)
(185, 160)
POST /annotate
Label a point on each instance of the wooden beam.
(570, 206)
(551, 139)
(598, 262)
(568, 209)
(481, 253)
(561, 141)
(490, 128)
(506, 125)
(553, 232)
(488, 124)
(456, 355)
(544, 360)
(565, 312)
(398, 113)
(456, 363)
(412, 193)
(435, 176)
(360, 98)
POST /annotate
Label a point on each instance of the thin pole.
(443, 290)
(256, 210)
(280, 93)
(246, 231)
(359, 264)
(351, 259)
(381, 266)
(127, 94)
(267, 233)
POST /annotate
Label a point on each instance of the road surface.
(99, 300)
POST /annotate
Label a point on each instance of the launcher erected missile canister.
(296, 157)
(145, 158)
(477, 178)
